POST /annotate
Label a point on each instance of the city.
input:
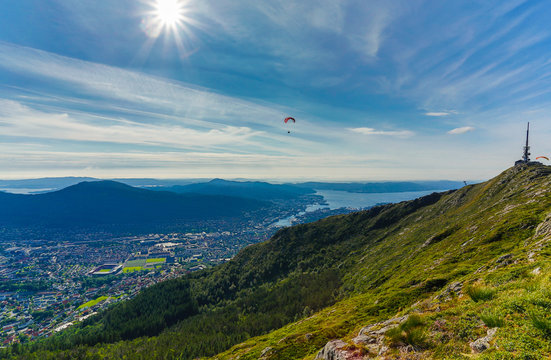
(49, 285)
(46, 287)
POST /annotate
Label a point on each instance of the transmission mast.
(526, 156)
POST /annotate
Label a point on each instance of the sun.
(169, 13)
(171, 20)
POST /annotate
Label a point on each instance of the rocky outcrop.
(544, 228)
(483, 344)
(339, 350)
(267, 351)
(372, 336)
(504, 261)
(454, 288)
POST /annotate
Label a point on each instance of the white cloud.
(472, 60)
(371, 131)
(134, 90)
(461, 130)
(22, 121)
(437, 113)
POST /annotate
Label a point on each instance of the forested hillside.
(432, 277)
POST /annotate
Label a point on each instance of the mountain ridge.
(111, 202)
(457, 264)
(249, 189)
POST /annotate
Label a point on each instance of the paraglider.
(542, 157)
(287, 119)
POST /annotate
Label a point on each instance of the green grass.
(541, 322)
(492, 319)
(92, 302)
(155, 260)
(133, 268)
(410, 332)
(480, 293)
(135, 263)
(104, 270)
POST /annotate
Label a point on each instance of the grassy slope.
(470, 230)
(388, 259)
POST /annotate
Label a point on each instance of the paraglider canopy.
(289, 119)
(542, 157)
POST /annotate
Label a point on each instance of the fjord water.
(339, 199)
(343, 199)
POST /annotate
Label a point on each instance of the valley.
(55, 277)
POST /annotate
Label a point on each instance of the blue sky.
(381, 90)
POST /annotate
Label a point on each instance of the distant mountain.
(110, 202)
(252, 189)
(384, 187)
(43, 184)
(157, 183)
(249, 189)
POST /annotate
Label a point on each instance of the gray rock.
(544, 228)
(266, 351)
(504, 260)
(453, 288)
(333, 350)
(479, 345)
(483, 344)
(373, 336)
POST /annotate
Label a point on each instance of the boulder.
(373, 336)
(333, 350)
(339, 350)
(483, 344)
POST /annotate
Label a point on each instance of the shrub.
(480, 293)
(541, 323)
(492, 319)
(410, 332)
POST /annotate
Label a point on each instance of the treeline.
(202, 332)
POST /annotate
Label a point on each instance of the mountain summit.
(451, 275)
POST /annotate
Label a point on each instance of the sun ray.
(170, 13)
(171, 19)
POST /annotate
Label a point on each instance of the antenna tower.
(526, 156)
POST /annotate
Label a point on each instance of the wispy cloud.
(437, 113)
(22, 121)
(86, 79)
(461, 130)
(371, 131)
(460, 60)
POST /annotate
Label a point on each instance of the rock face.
(504, 261)
(482, 344)
(453, 288)
(337, 350)
(372, 336)
(265, 352)
(544, 228)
